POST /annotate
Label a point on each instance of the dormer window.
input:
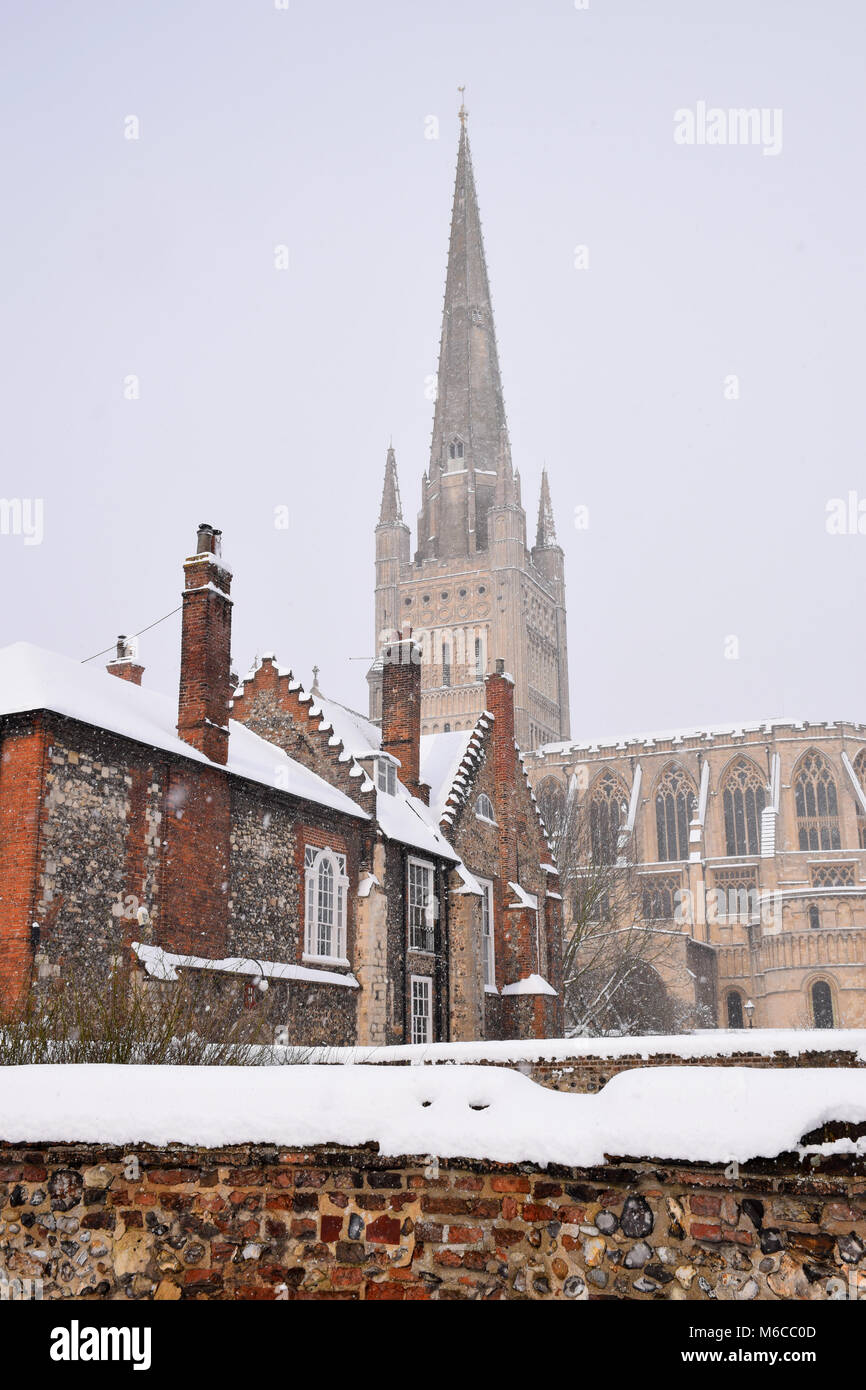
(484, 808)
(386, 776)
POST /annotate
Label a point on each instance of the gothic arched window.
(608, 806)
(735, 1009)
(744, 797)
(822, 1005)
(446, 663)
(817, 804)
(455, 448)
(860, 773)
(484, 808)
(675, 805)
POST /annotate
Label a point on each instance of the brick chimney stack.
(205, 652)
(401, 710)
(124, 664)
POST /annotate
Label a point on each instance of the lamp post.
(750, 1009)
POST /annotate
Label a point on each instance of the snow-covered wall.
(410, 1183)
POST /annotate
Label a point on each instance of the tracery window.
(675, 805)
(455, 449)
(659, 895)
(744, 797)
(608, 807)
(817, 803)
(833, 876)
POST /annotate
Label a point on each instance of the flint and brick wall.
(95, 828)
(257, 1222)
(586, 1074)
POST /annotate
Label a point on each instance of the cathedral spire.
(390, 510)
(470, 412)
(546, 534)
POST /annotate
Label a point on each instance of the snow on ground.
(688, 1113)
(715, 1042)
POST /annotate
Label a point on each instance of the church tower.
(473, 592)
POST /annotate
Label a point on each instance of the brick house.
(262, 844)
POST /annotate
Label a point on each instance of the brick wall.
(259, 1223)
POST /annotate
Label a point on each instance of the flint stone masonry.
(259, 1222)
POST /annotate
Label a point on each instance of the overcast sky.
(263, 388)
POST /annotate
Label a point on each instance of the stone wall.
(255, 1222)
(586, 1074)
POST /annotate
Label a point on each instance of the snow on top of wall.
(530, 984)
(33, 679)
(164, 965)
(714, 1042)
(708, 731)
(524, 899)
(692, 1114)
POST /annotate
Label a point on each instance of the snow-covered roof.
(405, 818)
(692, 1114)
(441, 756)
(402, 817)
(358, 735)
(164, 965)
(32, 678)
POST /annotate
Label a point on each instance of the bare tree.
(612, 941)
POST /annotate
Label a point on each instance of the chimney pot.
(208, 539)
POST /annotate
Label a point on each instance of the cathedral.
(748, 841)
(474, 592)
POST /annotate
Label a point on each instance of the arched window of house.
(735, 1009)
(325, 914)
(860, 772)
(744, 796)
(608, 808)
(484, 808)
(675, 805)
(814, 915)
(822, 1005)
(817, 803)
